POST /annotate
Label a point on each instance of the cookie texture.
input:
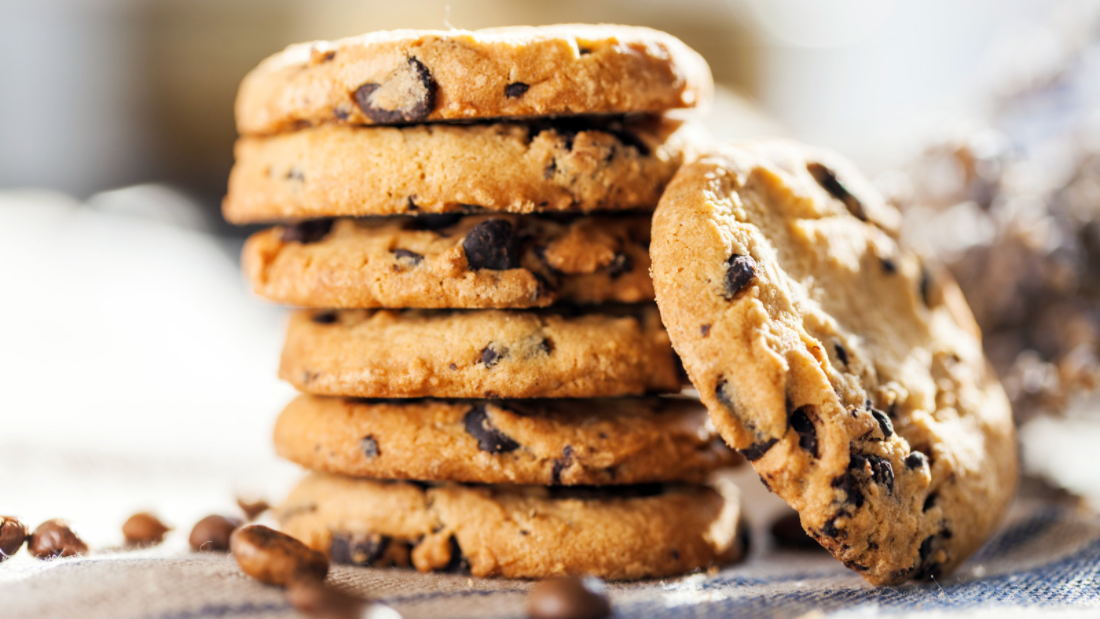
(407, 76)
(549, 442)
(557, 165)
(451, 261)
(850, 374)
(619, 533)
(480, 353)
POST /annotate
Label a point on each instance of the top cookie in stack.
(439, 187)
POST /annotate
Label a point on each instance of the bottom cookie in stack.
(667, 513)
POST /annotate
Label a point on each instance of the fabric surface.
(1045, 561)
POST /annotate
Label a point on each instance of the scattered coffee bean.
(515, 89)
(273, 557)
(491, 245)
(144, 529)
(488, 438)
(787, 532)
(740, 270)
(55, 538)
(252, 509)
(406, 95)
(212, 533)
(829, 181)
(313, 598)
(12, 535)
(309, 231)
(807, 434)
(569, 598)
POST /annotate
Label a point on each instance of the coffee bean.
(252, 509)
(569, 598)
(313, 598)
(369, 446)
(411, 256)
(406, 95)
(515, 89)
(356, 549)
(883, 422)
(212, 533)
(915, 460)
(619, 265)
(491, 245)
(841, 353)
(787, 532)
(488, 438)
(309, 231)
(55, 538)
(12, 535)
(807, 434)
(144, 529)
(273, 557)
(740, 271)
(829, 181)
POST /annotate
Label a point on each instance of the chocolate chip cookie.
(452, 261)
(558, 442)
(848, 372)
(407, 76)
(620, 533)
(564, 164)
(480, 353)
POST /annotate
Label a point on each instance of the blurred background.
(137, 371)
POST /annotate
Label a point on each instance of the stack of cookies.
(480, 352)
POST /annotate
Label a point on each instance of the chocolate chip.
(340, 112)
(925, 286)
(841, 352)
(411, 204)
(804, 426)
(295, 174)
(829, 181)
(889, 265)
(491, 245)
(882, 471)
(212, 533)
(619, 265)
(926, 567)
(584, 51)
(704, 330)
(762, 443)
(929, 501)
(324, 318)
(740, 270)
(273, 557)
(787, 532)
(488, 438)
(548, 171)
(883, 422)
(12, 535)
(354, 549)
(458, 563)
(407, 95)
(144, 529)
(546, 346)
(369, 446)
(569, 598)
(404, 254)
(434, 221)
(490, 356)
(515, 89)
(850, 485)
(252, 509)
(915, 460)
(309, 231)
(830, 529)
(55, 538)
(562, 463)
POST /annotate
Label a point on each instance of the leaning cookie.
(452, 261)
(848, 373)
(558, 442)
(480, 353)
(618, 533)
(568, 164)
(406, 76)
